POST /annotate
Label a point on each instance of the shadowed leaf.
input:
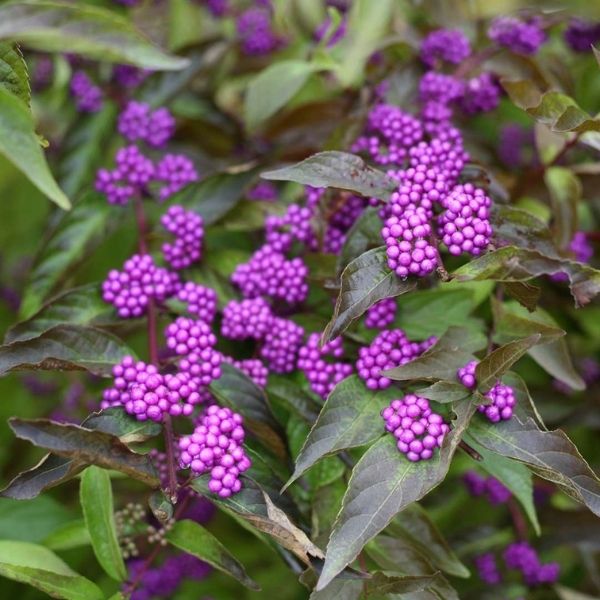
(14, 76)
(197, 541)
(126, 427)
(526, 294)
(365, 281)
(565, 192)
(444, 392)
(338, 170)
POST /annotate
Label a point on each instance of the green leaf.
(85, 446)
(368, 24)
(337, 170)
(444, 392)
(254, 507)
(96, 498)
(565, 192)
(41, 568)
(65, 347)
(73, 534)
(161, 506)
(273, 88)
(51, 471)
(237, 391)
(20, 145)
(555, 359)
(293, 397)
(77, 234)
(213, 197)
(549, 454)
(83, 149)
(414, 525)
(349, 418)
(383, 483)
(194, 539)
(495, 364)
(118, 423)
(79, 306)
(364, 234)
(441, 362)
(14, 76)
(559, 111)
(365, 281)
(519, 264)
(92, 31)
(513, 475)
(526, 294)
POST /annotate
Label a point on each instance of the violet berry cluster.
(391, 348)
(522, 557)
(216, 447)
(381, 314)
(501, 397)
(187, 227)
(255, 32)
(323, 375)
(138, 122)
(417, 429)
(520, 36)
(495, 492)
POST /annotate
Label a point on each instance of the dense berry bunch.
(133, 171)
(481, 94)
(139, 122)
(140, 281)
(269, 273)
(88, 96)
(146, 394)
(582, 35)
(438, 163)
(252, 367)
(391, 348)
(216, 446)
(381, 314)
(128, 76)
(255, 32)
(440, 88)
(188, 229)
(446, 45)
(281, 345)
(581, 248)
(322, 375)
(524, 37)
(195, 342)
(487, 569)
(250, 318)
(417, 429)
(409, 251)
(502, 404)
(294, 225)
(201, 301)
(347, 209)
(174, 171)
(389, 134)
(523, 557)
(490, 487)
(263, 191)
(465, 226)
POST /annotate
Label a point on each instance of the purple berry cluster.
(270, 273)
(246, 319)
(487, 568)
(139, 122)
(495, 492)
(522, 557)
(281, 345)
(263, 191)
(132, 173)
(216, 446)
(347, 208)
(253, 368)
(581, 35)
(255, 32)
(381, 314)
(322, 375)
(174, 172)
(445, 45)
(295, 225)
(417, 429)
(218, 8)
(480, 94)
(128, 76)
(391, 348)
(201, 301)
(502, 399)
(188, 229)
(147, 395)
(464, 225)
(140, 281)
(523, 37)
(88, 96)
(195, 343)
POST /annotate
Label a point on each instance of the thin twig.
(470, 451)
(518, 520)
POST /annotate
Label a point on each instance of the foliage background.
(211, 115)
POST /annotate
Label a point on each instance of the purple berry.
(88, 96)
(139, 122)
(523, 37)
(201, 301)
(445, 45)
(381, 314)
(175, 171)
(245, 319)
